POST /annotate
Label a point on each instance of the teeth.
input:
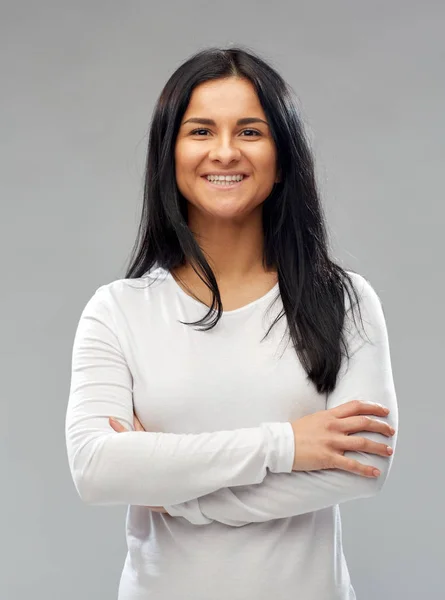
(224, 178)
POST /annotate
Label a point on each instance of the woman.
(232, 450)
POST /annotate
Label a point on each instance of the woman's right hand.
(322, 438)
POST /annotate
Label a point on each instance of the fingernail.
(376, 472)
(389, 449)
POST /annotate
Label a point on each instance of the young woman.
(232, 449)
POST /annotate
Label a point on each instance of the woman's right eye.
(196, 131)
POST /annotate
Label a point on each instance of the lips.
(224, 174)
(232, 185)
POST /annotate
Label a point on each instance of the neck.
(234, 250)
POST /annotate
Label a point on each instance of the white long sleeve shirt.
(218, 448)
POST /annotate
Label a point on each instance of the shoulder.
(124, 293)
(367, 317)
(366, 291)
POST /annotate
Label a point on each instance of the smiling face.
(222, 145)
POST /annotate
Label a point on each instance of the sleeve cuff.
(281, 446)
(188, 510)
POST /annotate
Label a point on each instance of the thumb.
(116, 425)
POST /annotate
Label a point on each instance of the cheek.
(186, 165)
(262, 156)
(187, 156)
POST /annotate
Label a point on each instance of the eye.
(195, 131)
(257, 133)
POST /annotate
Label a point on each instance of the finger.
(137, 424)
(353, 466)
(358, 407)
(364, 423)
(362, 444)
(116, 425)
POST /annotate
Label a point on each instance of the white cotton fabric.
(218, 448)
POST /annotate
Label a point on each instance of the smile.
(226, 185)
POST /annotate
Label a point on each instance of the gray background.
(79, 82)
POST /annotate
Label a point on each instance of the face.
(224, 146)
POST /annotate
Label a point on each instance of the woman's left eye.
(253, 130)
(257, 133)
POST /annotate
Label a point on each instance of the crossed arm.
(234, 477)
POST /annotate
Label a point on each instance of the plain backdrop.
(78, 85)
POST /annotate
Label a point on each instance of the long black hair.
(311, 285)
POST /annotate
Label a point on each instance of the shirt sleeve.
(369, 378)
(149, 468)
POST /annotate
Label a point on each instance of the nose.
(224, 151)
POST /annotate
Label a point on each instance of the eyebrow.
(245, 121)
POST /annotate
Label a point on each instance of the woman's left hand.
(137, 427)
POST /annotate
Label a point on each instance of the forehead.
(224, 98)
